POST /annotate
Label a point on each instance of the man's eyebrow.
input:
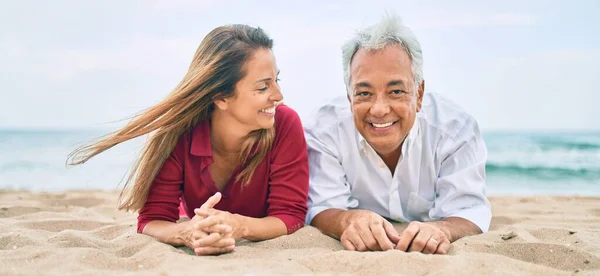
(395, 82)
(368, 85)
(363, 84)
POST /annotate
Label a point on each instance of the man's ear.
(350, 102)
(420, 95)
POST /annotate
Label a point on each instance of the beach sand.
(81, 233)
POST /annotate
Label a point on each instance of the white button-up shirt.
(441, 171)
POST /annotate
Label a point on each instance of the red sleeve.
(288, 181)
(164, 196)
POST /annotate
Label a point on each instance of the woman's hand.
(209, 235)
(222, 217)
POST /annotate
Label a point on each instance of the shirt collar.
(408, 141)
(200, 145)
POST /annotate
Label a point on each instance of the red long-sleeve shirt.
(278, 188)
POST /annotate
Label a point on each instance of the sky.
(513, 65)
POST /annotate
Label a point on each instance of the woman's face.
(257, 94)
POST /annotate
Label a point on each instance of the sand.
(81, 233)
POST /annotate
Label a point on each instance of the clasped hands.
(211, 231)
(368, 231)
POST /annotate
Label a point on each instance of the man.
(388, 151)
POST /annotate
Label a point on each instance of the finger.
(208, 240)
(220, 228)
(419, 242)
(347, 244)
(360, 245)
(391, 232)
(366, 235)
(378, 230)
(353, 236)
(207, 223)
(443, 248)
(224, 242)
(211, 201)
(196, 235)
(229, 235)
(431, 245)
(407, 236)
(205, 212)
(201, 251)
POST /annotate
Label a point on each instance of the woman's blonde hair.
(217, 66)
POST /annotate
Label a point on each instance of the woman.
(222, 147)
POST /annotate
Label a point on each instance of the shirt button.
(382, 165)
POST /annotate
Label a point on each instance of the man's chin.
(384, 148)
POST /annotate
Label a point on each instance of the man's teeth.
(268, 110)
(382, 125)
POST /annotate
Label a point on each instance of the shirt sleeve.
(329, 187)
(460, 187)
(165, 192)
(288, 179)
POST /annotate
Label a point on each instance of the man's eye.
(362, 94)
(398, 92)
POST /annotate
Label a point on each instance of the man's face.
(383, 97)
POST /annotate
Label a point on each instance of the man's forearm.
(331, 222)
(455, 228)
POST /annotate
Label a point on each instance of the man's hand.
(424, 237)
(367, 230)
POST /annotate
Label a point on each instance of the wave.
(550, 144)
(543, 172)
(527, 142)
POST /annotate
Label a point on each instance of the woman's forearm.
(254, 229)
(258, 229)
(168, 232)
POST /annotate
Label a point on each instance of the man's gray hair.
(388, 31)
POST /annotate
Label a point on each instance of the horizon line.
(109, 129)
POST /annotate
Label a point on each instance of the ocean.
(519, 163)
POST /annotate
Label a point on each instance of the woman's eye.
(263, 89)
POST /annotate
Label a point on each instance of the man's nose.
(380, 108)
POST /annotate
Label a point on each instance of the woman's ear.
(222, 104)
